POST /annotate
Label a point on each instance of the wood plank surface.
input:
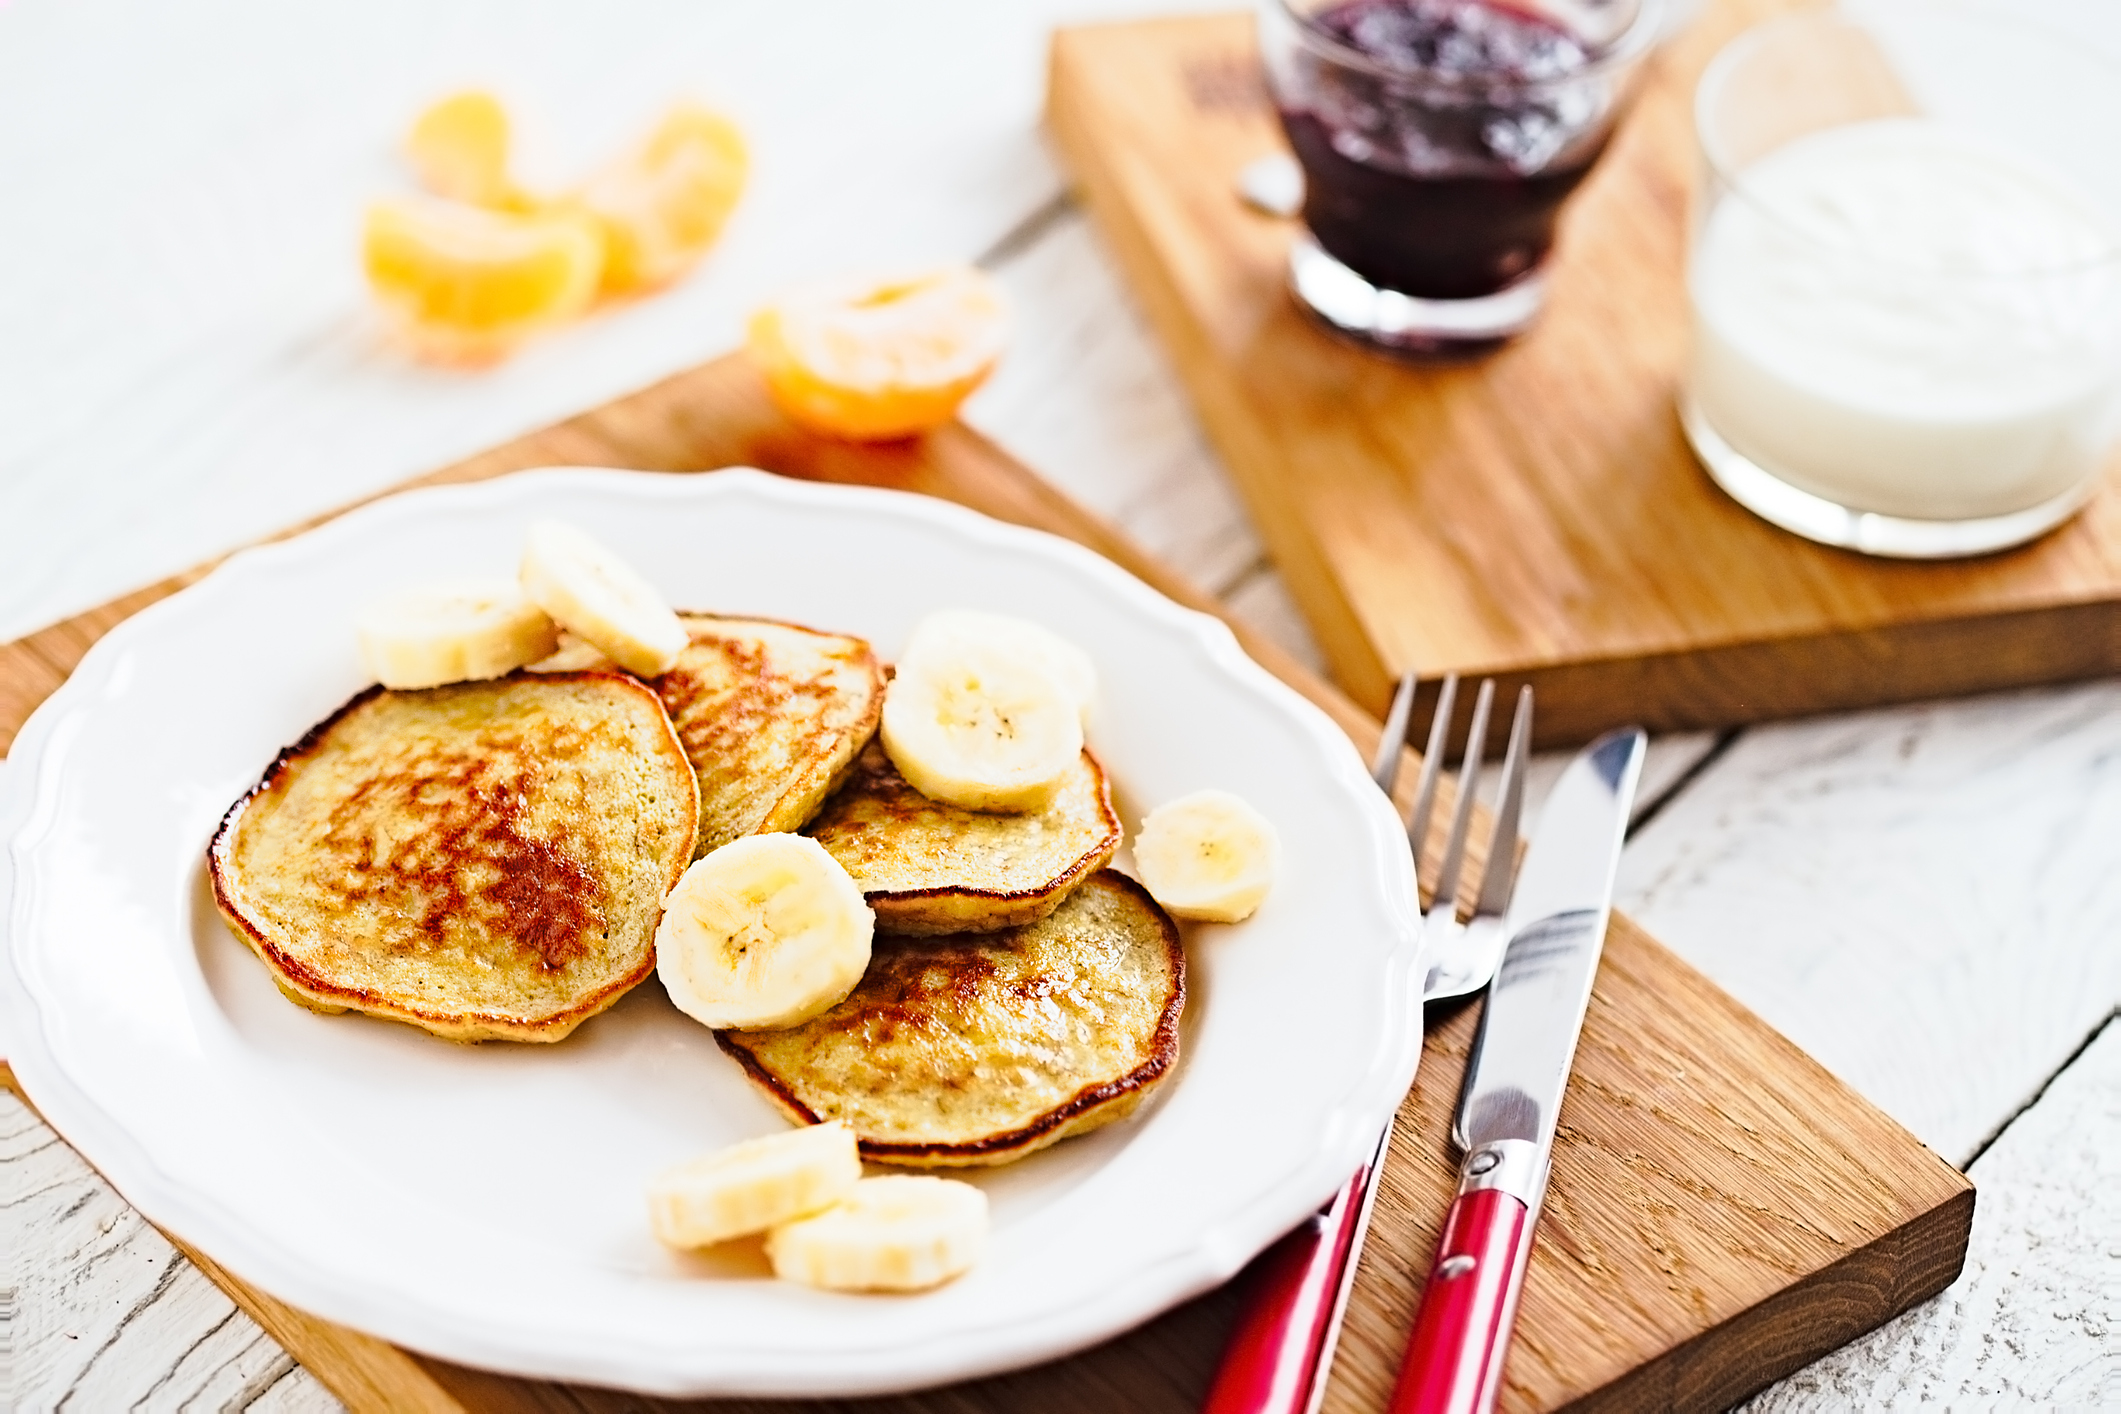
(1924, 898)
(1536, 514)
(193, 357)
(1747, 872)
(1722, 1209)
(2043, 1279)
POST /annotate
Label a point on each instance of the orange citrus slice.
(459, 149)
(663, 204)
(874, 360)
(465, 285)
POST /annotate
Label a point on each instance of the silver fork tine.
(1443, 943)
(1431, 769)
(1502, 846)
(1443, 904)
(1392, 745)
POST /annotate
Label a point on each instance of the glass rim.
(1625, 49)
(1732, 176)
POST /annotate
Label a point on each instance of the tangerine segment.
(465, 285)
(459, 149)
(663, 204)
(876, 360)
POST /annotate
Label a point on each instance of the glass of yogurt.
(1905, 278)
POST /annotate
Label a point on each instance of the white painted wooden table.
(1928, 899)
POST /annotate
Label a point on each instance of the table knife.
(1514, 1081)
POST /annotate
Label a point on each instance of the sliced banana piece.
(453, 632)
(573, 655)
(950, 630)
(982, 729)
(754, 1185)
(1207, 855)
(767, 931)
(901, 1232)
(597, 596)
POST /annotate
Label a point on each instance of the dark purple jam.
(1466, 38)
(1445, 182)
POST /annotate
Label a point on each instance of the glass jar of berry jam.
(1438, 139)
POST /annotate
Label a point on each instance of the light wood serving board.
(1536, 515)
(1722, 1209)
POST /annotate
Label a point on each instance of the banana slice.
(765, 932)
(1207, 855)
(986, 730)
(599, 597)
(901, 1232)
(453, 632)
(754, 1185)
(573, 655)
(952, 630)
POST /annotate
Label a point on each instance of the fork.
(1282, 1345)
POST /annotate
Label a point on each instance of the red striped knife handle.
(1271, 1362)
(1454, 1356)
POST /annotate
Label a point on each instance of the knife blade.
(1514, 1080)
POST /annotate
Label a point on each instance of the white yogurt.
(1900, 318)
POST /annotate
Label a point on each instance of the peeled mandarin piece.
(459, 149)
(662, 205)
(466, 285)
(876, 360)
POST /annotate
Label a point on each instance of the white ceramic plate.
(484, 1204)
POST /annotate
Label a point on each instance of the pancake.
(772, 717)
(927, 867)
(485, 860)
(980, 1048)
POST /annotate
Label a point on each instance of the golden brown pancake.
(927, 867)
(772, 716)
(485, 860)
(979, 1048)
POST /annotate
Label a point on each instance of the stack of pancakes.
(488, 860)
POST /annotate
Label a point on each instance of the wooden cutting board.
(1722, 1209)
(1536, 515)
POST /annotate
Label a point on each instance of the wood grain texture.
(1090, 400)
(1925, 899)
(1723, 1210)
(2036, 1320)
(2013, 1327)
(123, 1322)
(1721, 1260)
(1537, 514)
(194, 359)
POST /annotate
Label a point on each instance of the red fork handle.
(1291, 1292)
(1454, 1355)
